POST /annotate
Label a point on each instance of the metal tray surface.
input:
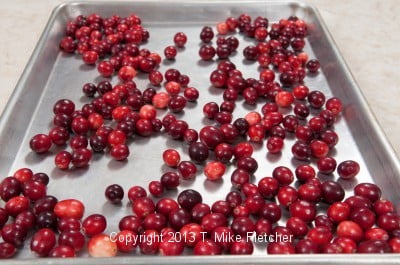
(51, 75)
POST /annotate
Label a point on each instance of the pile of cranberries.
(321, 219)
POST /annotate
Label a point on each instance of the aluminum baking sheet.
(51, 75)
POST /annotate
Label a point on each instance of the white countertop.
(366, 32)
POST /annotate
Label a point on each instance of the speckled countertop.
(366, 32)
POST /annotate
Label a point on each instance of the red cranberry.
(154, 221)
(326, 165)
(304, 172)
(81, 157)
(94, 224)
(364, 217)
(136, 192)
(271, 211)
(101, 246)
(43, 242)
(199, 211)
(143, 207)
(166, 205)
(348, 169)
(313, 66)
(178, 218)
(207, 52)
(254, 203)
(304, 210)
(34, 190)
(7, 250)
(170, 180)
(310, 193)
(131, 223)
(69, 208)
(280, 248)
(374, 246)
(214, 170)
(316, 99)
(301, 151)
(213, 220)
(284, 175)
(40, 143)
(350, 230)
(223, 152)
(206, 34)
(389, 221)
(320, 235)
(306, 246)
(319, 149)
(207, 247)
(180, 39)
(242, 247)
(332, 191)
(268, 187)
(297, 226)
(368, 190)
(383, 206)
(287, 195)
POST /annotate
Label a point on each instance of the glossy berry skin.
(7, 250)
(304, 210)
(213, 220)
(280, 248)
(207, 247)
(62, 251)
(120, 152)
(187, 199)
(94, 224)
(275, 144)
(187, 169)
(17, 205)
(143, 207)
(69, 208)
(210, 136)
(170, 180)
(171, 246)
(101, 246)
(180, 39)
(304, 172)
(326, 165)
(338, 212)
(166, 205)
(40, 143)
(214, 170)
(350, 230)
(198, 152)
(81, 157)
(199, 211)
(170, 52)
(348, 169)
(136, 192)
(283, 175)
(43, 242)
(268, 187)
(156, 188)
(34, 190)
(368, 190)
(171, 157)
(242, 247)
(332, 191)
(374, 246)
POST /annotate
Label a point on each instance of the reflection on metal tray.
(51, 75)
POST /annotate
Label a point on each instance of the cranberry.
(154, 221)
(90, 57)
(69, 208)
(389, 221)
(320, 235)
(9, 188)
(254, 203)
(332, 191)
(206, 34)
(274, 144)
(131, 223)
(334, 105)
(368, 190)
(170, 180)
(304, 133)
(105, 68)
(306, 246)
(180, 39)
(136, 192)
(358, 202)
(297, 226)
(178, 218)
(171, 157)
(81, 157)
(376, 233)
(62, 251)
(114, 193)
(34, 190)
(326, 165)
(207, 247)
(69, 224)
(190, 136)
(59, 135)
(287, 195)
(191, 94)
(316, 99)
(207, 52)
(304, 172)
(339, 211)
(383, 206)
(171, 246)
(350, 230)
(271, 211)
(7, 250)
(313, 65)
(284, 175)
(268, 187)
(319, 149)
(16, 205)
(373, 246)
(101, 246)
(304, 210)
(242, 247)
(213, 220)
(348, 169)
(198, 152)
(143, 206)
(364, 217)
(280, 248)
(214, 170)
(43, 242)
(187, 199)
(40, 143)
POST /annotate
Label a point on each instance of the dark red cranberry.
(301, 151)
(368, 190)
(114, 193)
(332, 191)
(268, 187)
(43, 242)
(187, 169)
(178, 218)
(40, 143)
(326, 165)
(316, 99)
(155, 221)
(284, 175)
(306, 211)
(187, 199)
(348, 169)
(198, 152)
(313, 65)
(374, 246)
(213, 220)
(10, 187)
(199, 211)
